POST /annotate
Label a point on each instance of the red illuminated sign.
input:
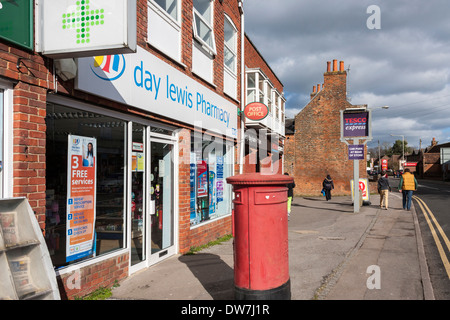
(256, 111)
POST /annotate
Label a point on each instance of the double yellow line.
(430, 219)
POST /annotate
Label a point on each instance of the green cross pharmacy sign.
(83, 19)
(85, 28)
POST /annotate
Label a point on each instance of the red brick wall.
(32, 79)
(253, 59)
(29, 146)
(103, 274)
(289, 154)
(431, 165)
(317, 146)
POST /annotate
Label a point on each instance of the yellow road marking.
(426, 211)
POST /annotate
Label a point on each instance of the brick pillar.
(184, 158)
(29, 147)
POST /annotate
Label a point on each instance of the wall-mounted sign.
(84, 28)
(410, 164)
(144, 81)
(256, 111)
(16, 22)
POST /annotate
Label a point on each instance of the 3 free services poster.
(81, 191)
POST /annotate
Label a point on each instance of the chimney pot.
(341, 66)
(335, 65)
(314, 89)
(328, 66)
(318, 88)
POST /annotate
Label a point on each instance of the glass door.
(1, 143)
(138, 195)
(162, 199)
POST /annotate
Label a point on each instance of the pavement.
(334, 254)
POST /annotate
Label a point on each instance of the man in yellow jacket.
(407, 185)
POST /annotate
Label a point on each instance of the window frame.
(226, 46)
(166, 13)
(210, 49)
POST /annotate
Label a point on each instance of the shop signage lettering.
(356, 152)
(144, 81)
(356, 124)
(150, 82)
(256, 111)
(410, 164)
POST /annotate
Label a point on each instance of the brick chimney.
(335, 79)
(433, 142)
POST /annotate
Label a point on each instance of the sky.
(398, 52)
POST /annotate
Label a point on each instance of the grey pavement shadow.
(318, 199)
(216, 277)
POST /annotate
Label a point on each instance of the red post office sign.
(256, 111)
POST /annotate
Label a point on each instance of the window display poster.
(219, 183)
(192, 192)
(212, 191)
(81, 188)
(202, 179)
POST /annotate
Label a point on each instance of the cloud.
(404, 64)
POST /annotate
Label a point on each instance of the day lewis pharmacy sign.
(83, 28)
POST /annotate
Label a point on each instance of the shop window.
(108, 224)
(211, 163)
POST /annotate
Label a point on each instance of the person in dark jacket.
(383, 190)
(328, 185)
(290, 194)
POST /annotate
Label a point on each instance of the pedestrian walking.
(407, 185)
(328, 185)
(383, 189)
(290, 187)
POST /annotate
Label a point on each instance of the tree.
(397, 148)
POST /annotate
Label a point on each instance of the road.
(432, 203)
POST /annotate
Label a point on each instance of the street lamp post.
(403, 146)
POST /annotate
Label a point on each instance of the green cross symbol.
(82, 20)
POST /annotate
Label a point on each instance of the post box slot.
(271, 197)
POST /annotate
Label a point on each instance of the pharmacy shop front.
(127, 190)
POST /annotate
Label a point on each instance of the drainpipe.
(242, 140)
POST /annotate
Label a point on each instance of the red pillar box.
(261, 259)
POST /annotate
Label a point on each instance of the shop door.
(161, 200)
(139, 205)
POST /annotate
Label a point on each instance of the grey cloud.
(405, 62)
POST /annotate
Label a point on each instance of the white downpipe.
(243, 96)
